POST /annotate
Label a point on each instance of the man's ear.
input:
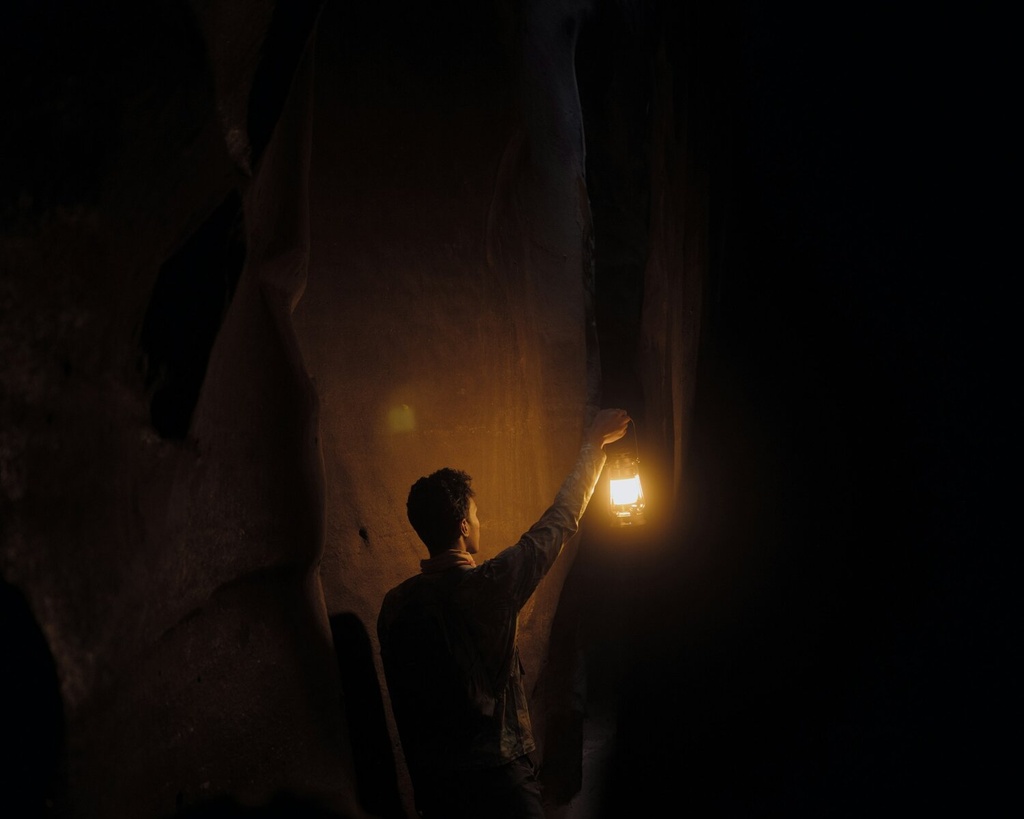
(464, 527)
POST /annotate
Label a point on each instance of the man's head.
(442, 511)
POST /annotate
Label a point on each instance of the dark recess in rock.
(289, 32)
(32, 739)
(364, 708)
(191, 296)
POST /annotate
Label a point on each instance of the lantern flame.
(626, 495)
(625, 491)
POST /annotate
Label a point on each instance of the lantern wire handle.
(636, 440)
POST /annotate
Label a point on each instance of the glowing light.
(625, 491)
(402, 418)
(626, 494)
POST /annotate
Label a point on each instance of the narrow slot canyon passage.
(263, 266)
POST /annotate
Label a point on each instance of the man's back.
(450, 658)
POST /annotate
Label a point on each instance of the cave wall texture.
(263, 268)
(263, 265)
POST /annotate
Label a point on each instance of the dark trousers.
(509, 791)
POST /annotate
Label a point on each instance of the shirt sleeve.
(519, 568)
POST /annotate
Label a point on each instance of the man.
(448, 642)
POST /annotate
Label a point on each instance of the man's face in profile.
(472, 523)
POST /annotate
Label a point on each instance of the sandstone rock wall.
(162, 496)
(262, 268)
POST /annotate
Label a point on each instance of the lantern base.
(629, 518)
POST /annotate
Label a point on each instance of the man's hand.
(608, 426)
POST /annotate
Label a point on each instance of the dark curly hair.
(437, 505)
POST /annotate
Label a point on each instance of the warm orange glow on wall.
(401, 418)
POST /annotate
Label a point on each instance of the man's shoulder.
(403, 587)
(396, 594)
(415, 592)
(427, 586)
